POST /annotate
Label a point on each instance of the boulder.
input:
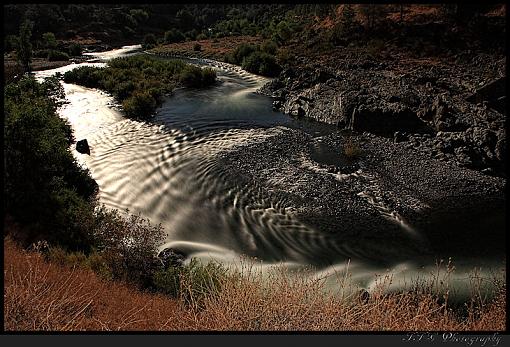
(82, 146)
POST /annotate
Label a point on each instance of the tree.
(185, 19)
(149, 41)
(49, 40)
(373, 14)
(283, 32)
(24, 52)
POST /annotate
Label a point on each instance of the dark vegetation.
(140, 82)
(44, 186)
(51, 206)
(258, 59)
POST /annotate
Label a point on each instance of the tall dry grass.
(296, 303)
(44, 296)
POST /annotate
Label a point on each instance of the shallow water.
(168, 170)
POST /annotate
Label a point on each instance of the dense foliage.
(53, 198)
(139, 82)
(44, 186)
(259, 59)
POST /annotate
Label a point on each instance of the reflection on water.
(167, 169)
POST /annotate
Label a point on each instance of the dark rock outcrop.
(361, 94)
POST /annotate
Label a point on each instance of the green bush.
(201, 36)
(139, 82)
(195, 77)
(139, 105)
(57, 56)
(45, 189)
(191, 76)
(261, 63)
(208, 76)
(41, 53)
(85, 75)
(240, 53)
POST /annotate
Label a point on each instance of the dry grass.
(298, 304)
(210, 48)
(44, 296)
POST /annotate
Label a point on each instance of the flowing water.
(169, 170)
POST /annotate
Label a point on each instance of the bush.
(201, 36)
(45, 188)
(85, 75)
(269, 47)
(139, 82)
(128, 245)
(75, 49)
(208, 76)
(194, 76)
(41, 53)
(173, 36)
(240, 53)
(261, 63)
(351, 149)
(57, 56)
(149, 41)
(139, 105)
(191, 76)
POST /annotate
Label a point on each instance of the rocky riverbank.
(451, 108)
(389, 204)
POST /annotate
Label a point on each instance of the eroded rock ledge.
(452, 109)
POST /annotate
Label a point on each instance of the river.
(227, 177)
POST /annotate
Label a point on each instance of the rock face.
(82, 146)
(439, 109)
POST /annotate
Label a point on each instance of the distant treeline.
(278, 22)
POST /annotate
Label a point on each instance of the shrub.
(208, 76)
(261, 63)
(194, 76)
(191, 76)
(173, 36)
(75, 49)
(44, 186)
(49, 40)
(128, 245)
(241, 52)
(139, 82)
(149, 41)
(84, 75)
(57, 56)
(41, 53)
(139, 105)
(201, 36)
(269, 47)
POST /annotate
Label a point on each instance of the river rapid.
(227, 177)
